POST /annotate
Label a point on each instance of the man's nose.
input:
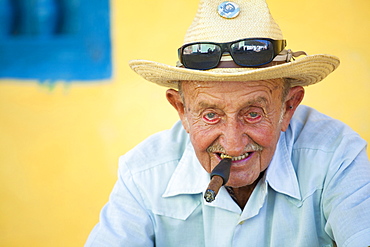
(234, 138)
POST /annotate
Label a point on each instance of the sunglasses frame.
(278, 46)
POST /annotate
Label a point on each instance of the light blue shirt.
(315, 190)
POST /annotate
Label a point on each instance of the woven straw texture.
(253, 21)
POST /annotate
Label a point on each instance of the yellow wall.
(59, 146)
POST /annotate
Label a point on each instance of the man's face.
(240, 119)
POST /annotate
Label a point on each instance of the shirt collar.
(189, 176)
(280, 174)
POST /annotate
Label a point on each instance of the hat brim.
(304, 71)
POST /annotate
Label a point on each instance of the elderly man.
(293, 176)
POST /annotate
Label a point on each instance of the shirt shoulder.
(321, 149)
(318, 148)
(160, 148)
(310, 129)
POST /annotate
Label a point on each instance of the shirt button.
(241, 222)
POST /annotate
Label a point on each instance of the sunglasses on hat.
(251, 52)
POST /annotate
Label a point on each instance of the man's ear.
(293, 99)
(176, 101)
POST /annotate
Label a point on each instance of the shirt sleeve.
(123, 220)
(346, 197)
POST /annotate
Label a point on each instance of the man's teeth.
(224, 156)
(241, 157)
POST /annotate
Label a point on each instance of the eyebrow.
(259, 99)
(203, 104)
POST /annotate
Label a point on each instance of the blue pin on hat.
(228, 10)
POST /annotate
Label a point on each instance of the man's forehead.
(192, 86)
(204, 95)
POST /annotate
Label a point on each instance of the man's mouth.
(220, 152)
(236, 158)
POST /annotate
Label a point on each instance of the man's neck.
(241, 195)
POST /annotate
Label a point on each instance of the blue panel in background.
(55, 39)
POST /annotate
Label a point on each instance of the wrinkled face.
(239, 119)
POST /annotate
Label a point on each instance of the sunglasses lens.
(201, 56)
(252, 52)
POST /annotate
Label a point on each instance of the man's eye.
(253, 117)
(211, 117)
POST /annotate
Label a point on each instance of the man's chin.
(240, 179)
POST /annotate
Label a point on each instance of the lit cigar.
(219, 177)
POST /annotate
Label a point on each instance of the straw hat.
(245, 19)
